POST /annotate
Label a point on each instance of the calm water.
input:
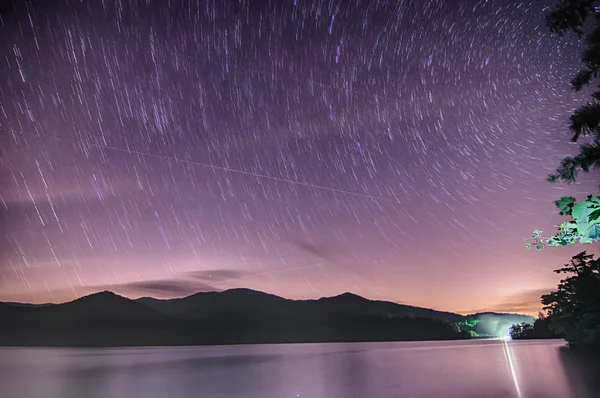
(484, 368)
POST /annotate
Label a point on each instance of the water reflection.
(433, 369)
(582, 367)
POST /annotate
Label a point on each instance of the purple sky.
(394, 149)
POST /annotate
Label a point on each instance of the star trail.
(395, 149)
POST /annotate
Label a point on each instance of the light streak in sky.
(396, 140)
(231, 170)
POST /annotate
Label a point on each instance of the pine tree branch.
(570, 15)
(588, 158)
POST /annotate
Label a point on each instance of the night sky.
(394, 149)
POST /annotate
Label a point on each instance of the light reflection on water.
(482, 368)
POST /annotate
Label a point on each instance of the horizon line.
(461, 313)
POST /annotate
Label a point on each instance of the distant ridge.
(198, 304)
(235, 316)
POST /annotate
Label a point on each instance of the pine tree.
(585, 121)
(584, 226)
(574, 308)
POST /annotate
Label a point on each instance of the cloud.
(216, 275)
(186, 284)
(526, 302)
(163, 288)
(62, 195)
(321, 251)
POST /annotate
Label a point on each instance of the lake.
(474, 368)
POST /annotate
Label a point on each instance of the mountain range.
(236, 316)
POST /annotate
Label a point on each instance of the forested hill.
(237, 316)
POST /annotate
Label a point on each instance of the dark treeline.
(237, 316)
(573, 310)
(539, 329)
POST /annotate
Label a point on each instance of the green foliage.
(469, 326)
(574, 308)
(583, 227)
(565, 204)
(471, 323)
(473, 334)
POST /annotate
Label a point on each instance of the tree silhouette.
(584, 226)
(522, 331)
(573, 15)
(574, 308)
(539, 330)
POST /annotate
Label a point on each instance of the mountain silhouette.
(236, 316)
(246, 302)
